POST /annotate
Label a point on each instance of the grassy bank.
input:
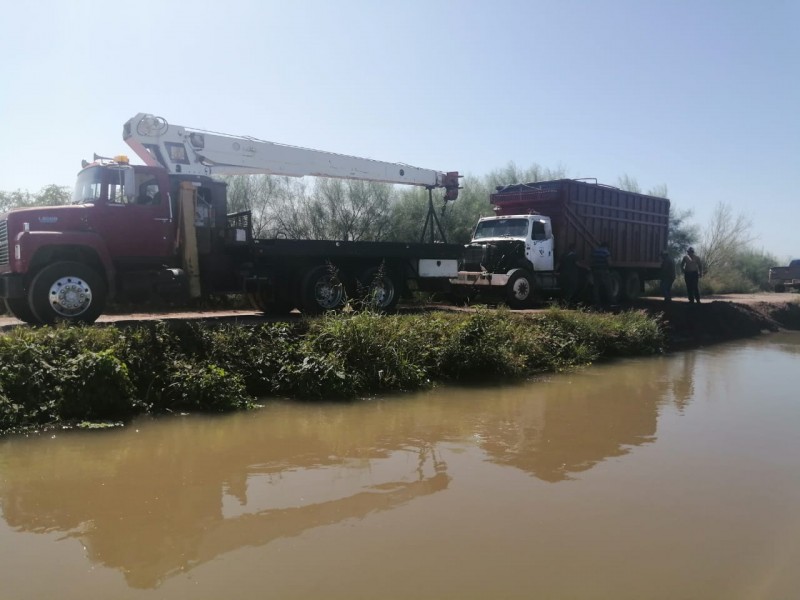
(67, 374)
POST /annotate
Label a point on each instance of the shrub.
(201, 387)
(95, 385)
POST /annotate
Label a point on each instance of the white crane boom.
(197, 152)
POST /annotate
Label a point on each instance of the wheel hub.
(382, 293)
(328, 294)
(70, 296)
(521, 289)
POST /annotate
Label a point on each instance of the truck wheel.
(254, 298)
(615, 287)
(379, 289)
(67, 291)
(269, 306)
(631, 288)
(519, 290)
(780, 288)
(19, 308)
(323, 290)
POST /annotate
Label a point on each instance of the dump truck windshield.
(516, 228)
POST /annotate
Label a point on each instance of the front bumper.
(480, 279)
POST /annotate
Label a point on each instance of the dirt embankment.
(716, 320)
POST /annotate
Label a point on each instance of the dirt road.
(250, 316)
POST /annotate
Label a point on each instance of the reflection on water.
(163, 497)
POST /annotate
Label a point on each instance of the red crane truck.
(517, 252)
(163, 228)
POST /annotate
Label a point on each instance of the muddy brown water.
(670, 477)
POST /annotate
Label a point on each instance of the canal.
(668, 477)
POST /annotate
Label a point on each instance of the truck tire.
(615, 285)
(322, 290)
(256, 301)
(631, 286)
(780, 288)
(19, 308)
(269, 306)
(519, 290)
(379, 289)
(67, 291)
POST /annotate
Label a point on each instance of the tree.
(334, 209)
(458, 218)
(682, 233)
(511, 174)
(629, 184)
(268, 197)
(726, 235)
(50, 195)
(351, 210)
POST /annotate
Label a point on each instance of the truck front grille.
(477, 257)
(4, 242)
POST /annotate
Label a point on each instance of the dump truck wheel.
(519, 290)
(631, 288)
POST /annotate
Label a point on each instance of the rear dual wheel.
(379, 289)
(322, 290)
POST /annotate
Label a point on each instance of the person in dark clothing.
(692, 272)
(601, 275)
(568, 275)
(667, 276)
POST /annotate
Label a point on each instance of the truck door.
(539, 246)
(137, 225)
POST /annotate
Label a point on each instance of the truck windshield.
(517, 228)
(88, 187)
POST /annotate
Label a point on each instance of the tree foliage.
(682, 233)
(50, 195)
(725, 236)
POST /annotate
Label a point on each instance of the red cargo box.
(634, 225)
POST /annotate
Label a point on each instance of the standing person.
(692, 272)
(568, 274)
(667, 276)
(601, 276)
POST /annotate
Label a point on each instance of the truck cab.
(64, 262)
(504, 243)
(509, 252)
(783, 278)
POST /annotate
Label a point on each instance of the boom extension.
(197, 152)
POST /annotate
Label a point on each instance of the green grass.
(78, 374)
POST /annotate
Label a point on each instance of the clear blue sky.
(703, 96)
